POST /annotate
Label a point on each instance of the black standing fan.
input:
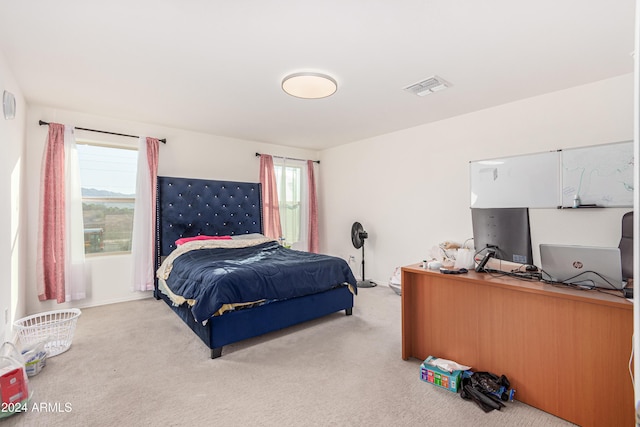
(357, 238)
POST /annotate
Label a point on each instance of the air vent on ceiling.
(425, 87)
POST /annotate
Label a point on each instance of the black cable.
(539, 277)
(518, 274)
(524, 276)
(594, 285)
(568, 284)
(607, 291)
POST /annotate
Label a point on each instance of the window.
(291, 179)
(108, 181)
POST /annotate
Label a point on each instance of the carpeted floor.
(137, 364)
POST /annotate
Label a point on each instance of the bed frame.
(189, 207)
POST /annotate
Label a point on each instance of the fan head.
(358, 235)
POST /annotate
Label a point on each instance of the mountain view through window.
(108, 181)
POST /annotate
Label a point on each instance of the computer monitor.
(502, 233)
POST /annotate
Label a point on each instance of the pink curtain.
(153, 145)
(51, 250)
(144, 215)
(313, 210)
(270, 206)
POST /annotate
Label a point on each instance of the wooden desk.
(564, 351)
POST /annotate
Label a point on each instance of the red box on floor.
(13, 388)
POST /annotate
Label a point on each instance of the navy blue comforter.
(216, 276)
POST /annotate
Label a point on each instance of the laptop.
(578, 265)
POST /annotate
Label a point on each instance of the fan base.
(366, 284)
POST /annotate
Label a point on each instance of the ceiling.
(217, 66)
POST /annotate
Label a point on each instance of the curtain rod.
(290, 158)
(164, 141)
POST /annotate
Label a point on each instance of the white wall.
(12, 230)
(410, 189)
(186, 154)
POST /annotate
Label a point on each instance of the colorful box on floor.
(434, 375)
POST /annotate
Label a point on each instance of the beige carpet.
(137, 364)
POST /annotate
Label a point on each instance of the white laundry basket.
(54, 328)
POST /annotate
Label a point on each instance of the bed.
(189, 207)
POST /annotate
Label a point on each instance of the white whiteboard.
(601, 175)
(531, 180)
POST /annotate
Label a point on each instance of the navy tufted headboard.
(188, 207)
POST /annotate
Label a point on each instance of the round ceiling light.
(309, 85)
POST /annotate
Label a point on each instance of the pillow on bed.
(248, 236)
(184, 240)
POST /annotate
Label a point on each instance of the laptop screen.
(586, 266)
